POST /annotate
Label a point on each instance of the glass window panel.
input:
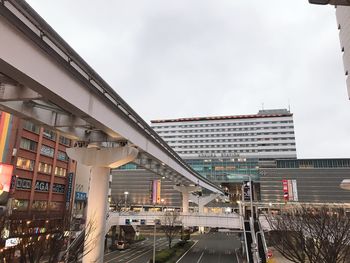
(25, 164)
(46, 150)
(45, 168)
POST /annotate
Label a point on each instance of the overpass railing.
(232, 220)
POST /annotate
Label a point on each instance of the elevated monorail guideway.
(43, 79)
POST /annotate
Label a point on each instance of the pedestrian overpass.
(44, 80)
(232, 221)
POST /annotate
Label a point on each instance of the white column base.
(96, 215)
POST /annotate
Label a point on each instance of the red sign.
(5, 177)
(285, 190)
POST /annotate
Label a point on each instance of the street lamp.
(125, 198)
(156, 221)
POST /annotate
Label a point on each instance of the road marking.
(200, 257)
(143, 254)
(237, 256)
(195, 243)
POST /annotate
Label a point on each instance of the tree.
(312, 234)
(171, 225)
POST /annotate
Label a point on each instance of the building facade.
(141, 189)
(305, 180)
(268, 134)
(42, 178)
(343, 19)
(228, 149)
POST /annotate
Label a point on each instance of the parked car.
(122, 245)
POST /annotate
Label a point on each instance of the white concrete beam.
(16, 92)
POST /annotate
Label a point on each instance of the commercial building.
(305, 180)
(343, 19)
(42, 176)
(141, 189)
(224, 149)
(227, 149)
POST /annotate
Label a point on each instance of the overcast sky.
(186, 58)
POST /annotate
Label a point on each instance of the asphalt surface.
(213, 247)
(140, 252)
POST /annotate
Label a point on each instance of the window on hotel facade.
(46, 150)
(25, 164)
(49, 134)
(28, 144)
(62, 156)
(59, 171)
(45, 168)
(29, 126)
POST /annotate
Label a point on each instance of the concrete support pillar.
(201, 201)
(96, 214)
(100, 160)
(185, 201)
(186, 190)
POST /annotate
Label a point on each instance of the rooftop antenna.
(289, 105)
(262, 106)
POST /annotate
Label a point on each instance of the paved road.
(137, 253)
(213, 247)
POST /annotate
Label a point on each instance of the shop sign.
(5, 182)
(58, 188)
(80, 196)
(290, 190)
(12, 242)
(42, 186)
(69, 189)
(246, 191)
(24, 184)
(38, 230)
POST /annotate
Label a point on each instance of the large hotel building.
(226, 149)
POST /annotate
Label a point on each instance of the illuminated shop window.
(56, 206)
(25, 164)
(45, 168)
(20, 205)
(39, 205)
(59, 171)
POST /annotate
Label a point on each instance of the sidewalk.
(277, 257)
